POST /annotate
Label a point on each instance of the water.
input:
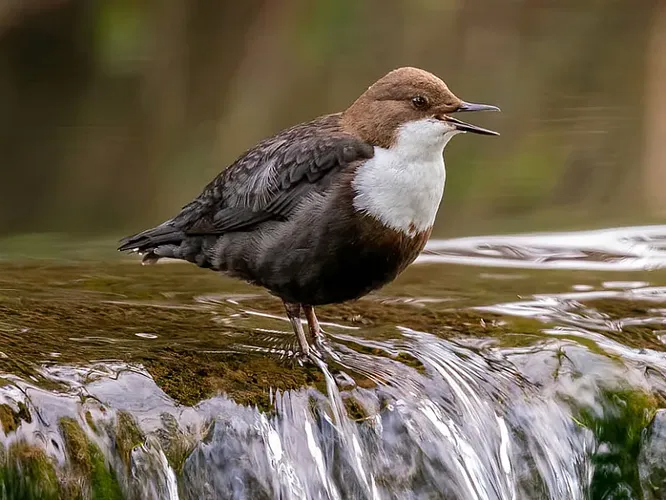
(513, 367)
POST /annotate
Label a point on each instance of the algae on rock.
(88, 462)
(27, 473)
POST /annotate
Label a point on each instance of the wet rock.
(127, 436)
(90, 472)
(618, 424)
(652, 458)
(103, 479)
(76, 445)
(190, 377)
(355, 409)
(151, 476)
(176, 443)
(231, 463)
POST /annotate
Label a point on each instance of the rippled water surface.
(513, 367)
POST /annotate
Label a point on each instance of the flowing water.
(513, 367)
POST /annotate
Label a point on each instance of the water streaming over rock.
(551, 395)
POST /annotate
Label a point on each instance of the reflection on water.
(456, 382)
(621, 249)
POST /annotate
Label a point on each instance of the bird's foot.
(316, 350)
(322, 348)
(320, 341)
(311, 355)
(309, 352)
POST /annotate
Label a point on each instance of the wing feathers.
(269, 181)
(266, 183)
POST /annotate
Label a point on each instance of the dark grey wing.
(266, 183)
(270, 180)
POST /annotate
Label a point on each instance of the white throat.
(402, 186)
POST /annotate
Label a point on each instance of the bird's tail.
(161, 241)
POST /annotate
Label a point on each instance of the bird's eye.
(419, 102)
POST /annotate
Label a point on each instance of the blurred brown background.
(114, 113)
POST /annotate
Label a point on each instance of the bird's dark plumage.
(311, 214)
(264, 184)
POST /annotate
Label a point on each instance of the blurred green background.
(114, 113)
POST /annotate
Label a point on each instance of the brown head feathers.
(402, 95)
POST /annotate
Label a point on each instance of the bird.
(328, 210)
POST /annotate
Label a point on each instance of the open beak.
(470, 106)
(468, 127)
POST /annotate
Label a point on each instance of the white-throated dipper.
(329, 210)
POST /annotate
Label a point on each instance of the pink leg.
(316, 332)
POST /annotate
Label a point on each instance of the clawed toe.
(313, 355)
(320, 341)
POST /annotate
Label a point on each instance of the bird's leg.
(316, 333)
(294, 315)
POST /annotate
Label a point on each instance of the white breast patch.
(402, 186)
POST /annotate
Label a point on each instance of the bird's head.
(413, 102)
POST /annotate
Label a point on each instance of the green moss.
(103, 479)
(23, 412)
(11, 419)
(619, 309)
(76, 444)
(590, 344)
(246, 378)
(409, 360)
(27, 473)
(88, 461)
(618, 426)
(127, 435)
(176, 444)
(355, 410)
(8, 419)
(640, 336)
(91, 422)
